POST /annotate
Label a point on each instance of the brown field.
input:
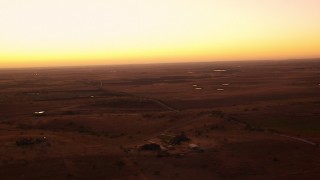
(249, 120)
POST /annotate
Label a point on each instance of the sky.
(92, 32)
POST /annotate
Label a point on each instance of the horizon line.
(157, 63)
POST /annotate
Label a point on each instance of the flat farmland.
(240, 120)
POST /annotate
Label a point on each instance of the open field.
(247, 120)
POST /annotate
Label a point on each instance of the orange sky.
(81, 32)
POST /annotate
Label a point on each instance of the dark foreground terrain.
(223, 120)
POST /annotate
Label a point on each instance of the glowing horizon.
(91, 32)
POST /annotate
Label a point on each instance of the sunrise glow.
(91, 32)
